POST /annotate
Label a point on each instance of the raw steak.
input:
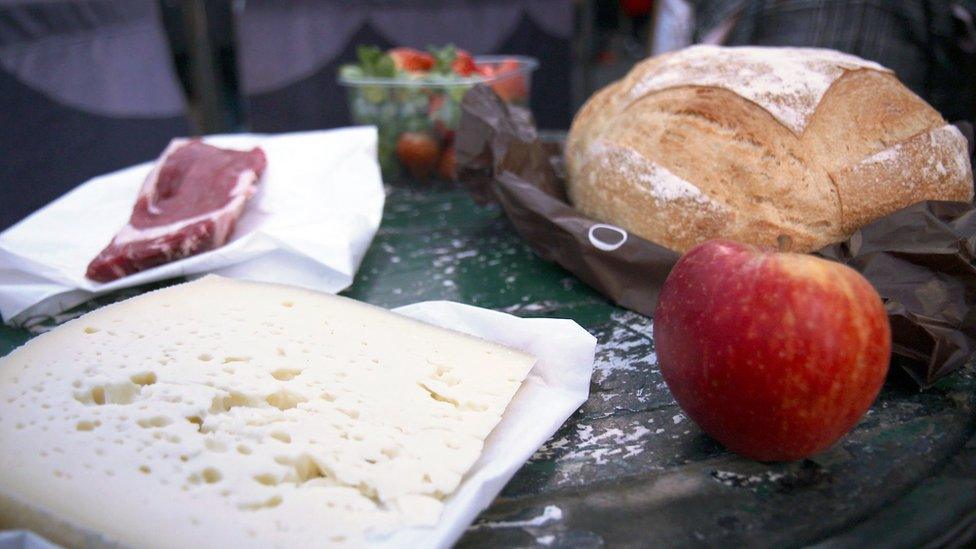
(187, 205)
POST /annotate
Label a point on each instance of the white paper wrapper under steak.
(315, 213)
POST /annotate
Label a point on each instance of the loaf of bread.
(769, 146)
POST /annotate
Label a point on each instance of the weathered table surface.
(628, 468)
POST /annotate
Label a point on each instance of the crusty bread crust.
(685, 148)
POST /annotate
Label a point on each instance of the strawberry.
(510, 83)
(447, 166)
(485, 71)
(463, 64)
(411, 60)
(418, 152)
(508, 65)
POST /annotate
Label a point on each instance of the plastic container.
(430, 105)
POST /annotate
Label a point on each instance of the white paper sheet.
(20, 539)
(556, 386)
(315, 213)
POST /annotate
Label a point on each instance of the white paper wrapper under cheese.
(294, 447)
(23, 540)
(315, 213)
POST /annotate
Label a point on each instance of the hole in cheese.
(266, 479)
(110, 393)
(282, 436)
(437, 396)
(285, 374)
(226, 402)
(284, 399)
(143, 379)
(353, 414)
(307, 469)
(273, 501)
(211, 475)
(154, 422)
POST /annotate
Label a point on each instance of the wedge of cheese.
(235, 414)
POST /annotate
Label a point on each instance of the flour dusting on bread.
(787, 82)
(892, 178)
(946, 158)
(655, 179)
(888, 155)
(950, 138)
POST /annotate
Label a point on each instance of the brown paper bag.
(920, 259)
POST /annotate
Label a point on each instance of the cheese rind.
(248, 414)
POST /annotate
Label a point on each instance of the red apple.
(775, 355)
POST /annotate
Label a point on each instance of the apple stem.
(784, 242)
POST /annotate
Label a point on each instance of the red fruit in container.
(409, 59)
(434, 104)
(463, 64)
(447, 166)
(485, 71)
(445, 134)
(419, 153)
(437, 116)
(511, 85)
(775, 355)
(508, 65)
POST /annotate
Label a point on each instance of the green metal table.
(628, 468)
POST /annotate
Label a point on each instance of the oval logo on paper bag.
(607, 237)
